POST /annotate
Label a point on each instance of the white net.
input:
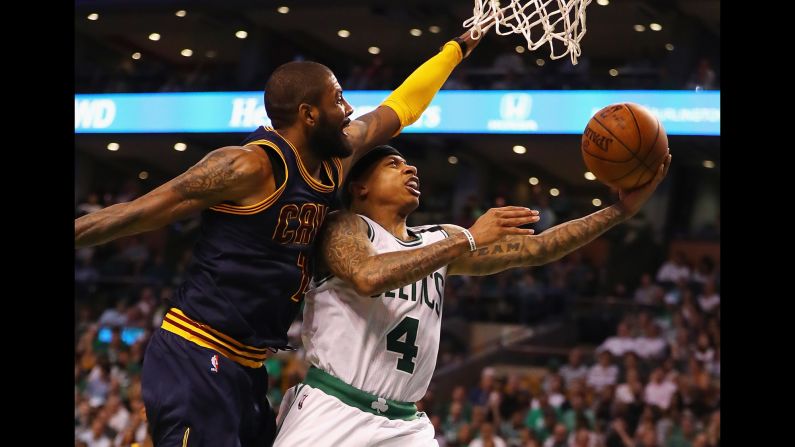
(560, 23)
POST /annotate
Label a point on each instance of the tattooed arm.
(347, 252)
(525, 251)
(226, 174)
(556, 242)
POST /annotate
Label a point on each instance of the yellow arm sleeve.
(417, 91)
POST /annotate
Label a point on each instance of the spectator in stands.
(703, 78)
(604, 373)
(578, 415)
(90, 205)
(709, 300)
(480, 394)
(630, 391)
(646, 292)
(673, 270)
(659, 392)
(620, 343)
(574, 369)
(487, 437)
(651, 345)
(683, 434)
(559, 437)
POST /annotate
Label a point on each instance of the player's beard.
(329, 141)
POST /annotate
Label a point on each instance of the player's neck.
(390, 220)
(298, 139)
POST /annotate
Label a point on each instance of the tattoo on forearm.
(562, 239)
(209, 176)
(553, 244)
(346, 245)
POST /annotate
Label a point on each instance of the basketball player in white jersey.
(372, 318)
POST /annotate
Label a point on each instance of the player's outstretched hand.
(633, 199)
(499, 222)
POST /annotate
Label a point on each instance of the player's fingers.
(519, 231)
(516, 221)
(519, 213)
(513, 208)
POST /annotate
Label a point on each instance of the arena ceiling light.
(343, 33)
(241, 34)
(416, 32)
(187, 52)
(181, 13)
(452, 159)
(113, 147)
(373, 50)
(434, 29)
(709, 164)
(603, 2)
(154, 36)
(655, 27)
(533, 180)
(519, 49)
(596, 202)
(589, 175)
(180, 147)
(136, 55)
(519, 149)
(639, 28)
(93, 16)
(554, 192)
(283, 9)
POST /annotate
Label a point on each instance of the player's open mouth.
(345, 125)
(413, 185)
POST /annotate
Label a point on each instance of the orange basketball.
(623, 145)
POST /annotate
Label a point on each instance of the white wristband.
(472, 246)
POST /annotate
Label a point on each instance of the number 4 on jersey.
(407, 348)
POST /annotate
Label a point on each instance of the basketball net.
(561, 20)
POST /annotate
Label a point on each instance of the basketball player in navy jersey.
(262, 204)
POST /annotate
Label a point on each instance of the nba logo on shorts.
(214, 362)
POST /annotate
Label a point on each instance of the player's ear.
(358, 190)
(307, 114)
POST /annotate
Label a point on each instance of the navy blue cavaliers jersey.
(250, 265)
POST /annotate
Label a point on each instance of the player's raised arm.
(405, 105)
(225, 174)
(556, 242)
(347, 252)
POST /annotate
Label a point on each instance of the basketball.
(623, 145)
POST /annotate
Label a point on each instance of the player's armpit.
(226, 174)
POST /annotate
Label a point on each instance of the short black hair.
(361, 166)
(289, 86)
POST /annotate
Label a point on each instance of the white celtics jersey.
(385, 344)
